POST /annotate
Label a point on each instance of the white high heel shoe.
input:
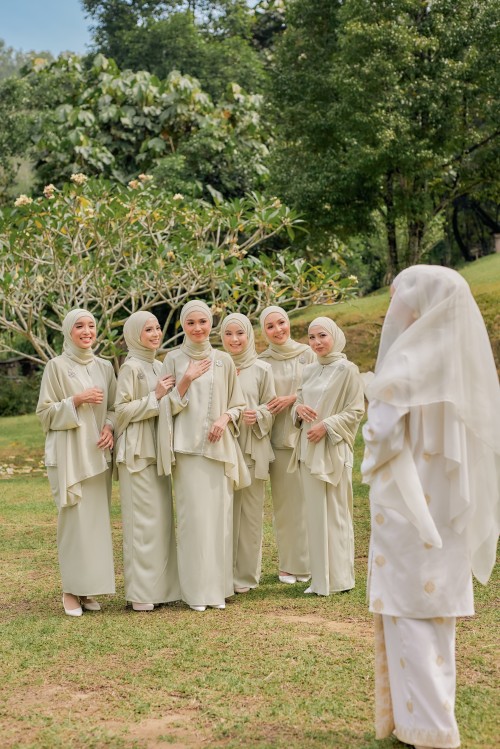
(143, 606)
(197, 608)
(89, 604)
(71, 612)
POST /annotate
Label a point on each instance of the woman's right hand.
(90, 395)
(163, 386)
(197, 368)
(306, 413)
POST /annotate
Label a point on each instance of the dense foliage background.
(370, 126)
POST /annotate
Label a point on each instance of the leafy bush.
(18, 395)
(116, 249)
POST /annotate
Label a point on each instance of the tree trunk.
(458, 236)
(390, 223)
(415, 236)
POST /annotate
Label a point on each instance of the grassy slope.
(361, 320)
(276, 669)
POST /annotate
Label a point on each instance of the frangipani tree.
(116, 249)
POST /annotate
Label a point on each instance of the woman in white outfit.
(330, 404)
(287, 359)
(208, 462)
(257, 383)
(149, 549)
(432, 459)
(75, 408)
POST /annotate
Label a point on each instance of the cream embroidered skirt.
(415, 680)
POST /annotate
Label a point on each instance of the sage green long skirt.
(289, 515)
(84, 542)
(204, 505)
(149, 548)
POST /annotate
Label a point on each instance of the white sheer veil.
(434, 349)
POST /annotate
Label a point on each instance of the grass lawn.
(276, 669)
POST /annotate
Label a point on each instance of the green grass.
(275, 669)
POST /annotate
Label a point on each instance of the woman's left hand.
(317, 432)
(249, 417)
(218, 427)
(106, 439)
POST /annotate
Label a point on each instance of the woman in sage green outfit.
(287, 359)
(257, 384)
(149, 550)
(330, 405)
(208, 461)
(76, 399)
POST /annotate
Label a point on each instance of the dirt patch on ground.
(350, 627)
(177, 726)
(25, 719)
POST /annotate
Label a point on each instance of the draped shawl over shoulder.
(225, 396)
(136, 405)
(72, 434)
(435, 356)
(333, 387)
(287, 361)
(257, 384)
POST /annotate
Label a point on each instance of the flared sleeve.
(336, 393)
(389, 467)
(129, 406)
(110, 419)
(258, 387)
(169, 367)
(72, 434)
(55, 411)
(136, 409)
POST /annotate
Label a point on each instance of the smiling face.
(197, 327)
(83, 332)
(320, 341)
(151, 334)
(235, 339)
(277, 328)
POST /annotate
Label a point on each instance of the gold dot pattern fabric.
(419, 709)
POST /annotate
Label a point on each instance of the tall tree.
(117, 124)
(211, 40)
(391, 117)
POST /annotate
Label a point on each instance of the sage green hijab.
(338, 339)
(70, 349)
(132, 333)
(196, 350)
(249, 355)
(287, 350)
